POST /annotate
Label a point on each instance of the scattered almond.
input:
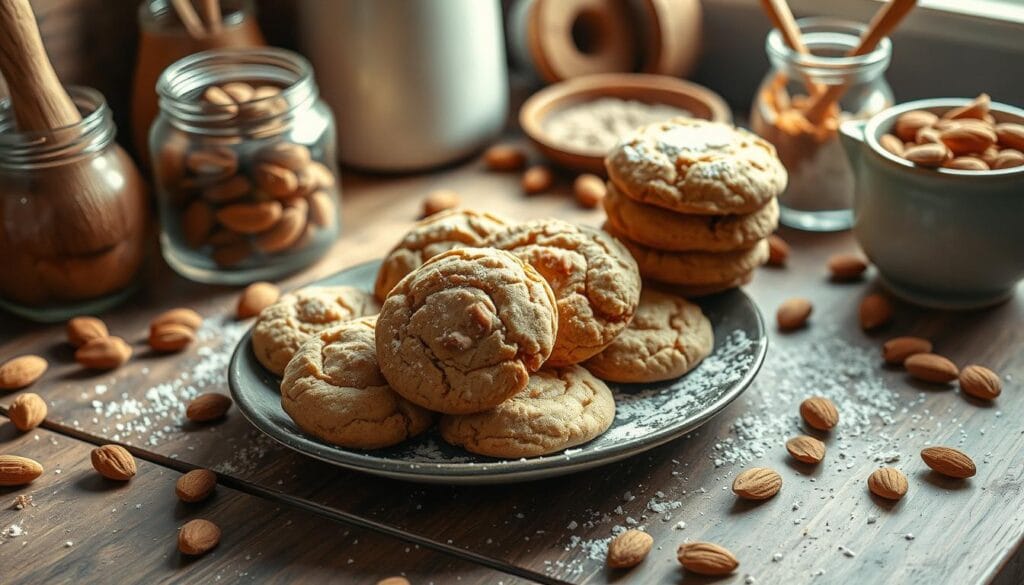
(27, 411)
(537, 179)
(980, 382)
(21, 371)
(757, 483)
(504, 157)
(84, 329)
(114, 462)
(198, 537)
(705, 558)
(928, 155)
(181, 316)
(819, 413)
(931, 367)
(105, 353)
(949, 462)
(891, 143)
(806, 449)
(875, 311)
(778, 251)
(15, 470)
(589, 190)
(793, 313)
(898, 349)
(629, 549)
(208, 407)
(888, 483)
(440, 200)
(170, 337)
(196, 485)
(256, 297)
(844, 267)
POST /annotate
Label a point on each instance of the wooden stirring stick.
(37, 96)
(885, 20)
(189, 17)
(782, 18)
(211, 9)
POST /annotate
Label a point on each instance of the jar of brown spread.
(244, 162)
(72, 215)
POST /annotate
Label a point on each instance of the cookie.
(463, 332)
(333, 389)
(668, 337)
(438, 233)
(694, 268)
(692, 291)
(681, 232)
(558, 409)
(594, 278)
(282, 327)
(696, 166)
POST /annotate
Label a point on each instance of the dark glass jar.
(73, 212)
(247, 187)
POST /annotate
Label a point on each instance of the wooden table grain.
(824, 527)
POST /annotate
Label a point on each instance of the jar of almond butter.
(244, 161)
(791, 110)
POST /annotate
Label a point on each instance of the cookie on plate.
(463, 332)
(560, 408)
(438, 233)
(694, 268)
(691, 291)
(696, 166)
(282, 327)
(593, 276)
(668, 337)
(681, 232)
(333, 389)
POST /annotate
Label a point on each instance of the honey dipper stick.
(884, 21)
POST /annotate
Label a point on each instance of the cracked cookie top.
(696, 166)
(668, 337)
(463, 332)
(558, 409)
(593, 276)
(334, 390)
(438, 233)
(282, 327)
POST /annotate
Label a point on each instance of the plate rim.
(475, 472)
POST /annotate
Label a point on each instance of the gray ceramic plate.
(647, 415)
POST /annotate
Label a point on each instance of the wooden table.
(286, 517)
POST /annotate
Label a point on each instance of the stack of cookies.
(502, 332)
(694, 201)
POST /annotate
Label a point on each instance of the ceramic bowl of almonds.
(939, 199)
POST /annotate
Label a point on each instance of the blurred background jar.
(165, 36)
(244, 163)
(73, 214)
(435, 92)
(819, 195)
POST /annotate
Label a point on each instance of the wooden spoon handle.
(884, 21)
(782, 18)
(37, 96)
(212, 12)
(189, 17)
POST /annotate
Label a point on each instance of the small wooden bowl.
(701, 102)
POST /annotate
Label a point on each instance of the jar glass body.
(246, 192)
(73, 215)
(163, 40)
(819, 194)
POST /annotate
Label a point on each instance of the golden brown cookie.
(463, 332)
(438, 233)
(668, 337)
(333, 389)
(696, 166)
(282, 327)
(692, 291)
(694, 268)
(592, 275)
(558, 409)
(681, 232)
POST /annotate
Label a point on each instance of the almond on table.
(537, 179)
(819, 413)
(931, 367)
(256, 297)
(806, 449)
(16, 470)
(949, 462)
(888, 483)
(793, 314)
(27, 411)
(980, 382)
(629, 549)
(83, 329)
(589, 190)
(875, 311)
(21, 371)
(706, 558)
(757, 483)
(181, 315)
(846, 267)
(504, 157)
(170, 337)
(208, 407)
(196, 485)
(778, 250)
(104, 353)
(898, 349)
(198, 537)
(114, 462)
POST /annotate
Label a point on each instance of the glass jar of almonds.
(244, 162)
